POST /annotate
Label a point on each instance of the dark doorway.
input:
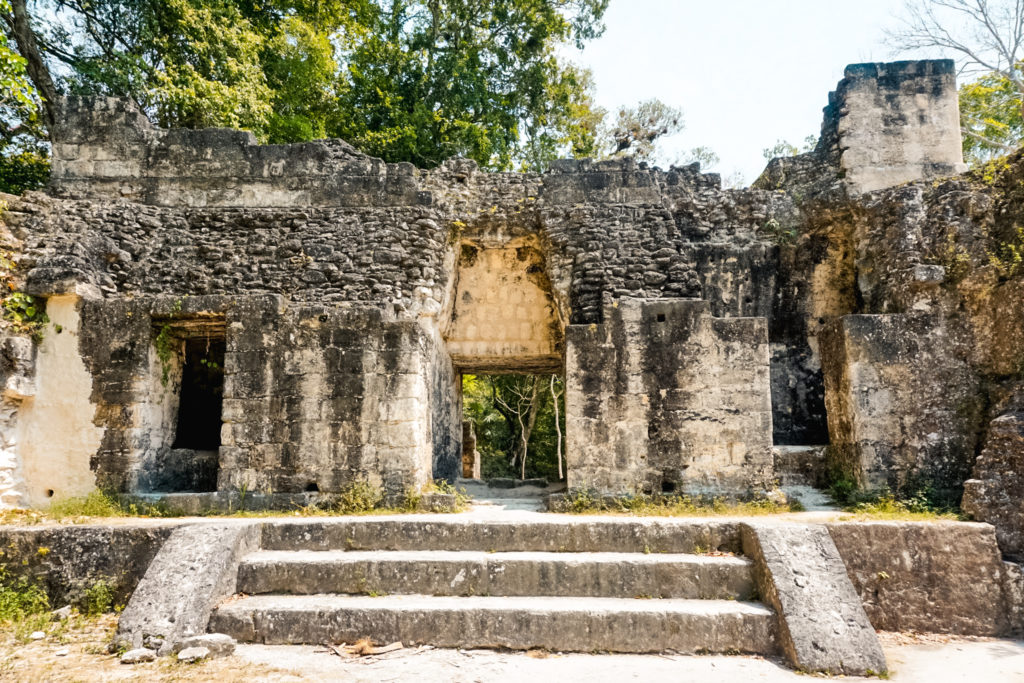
(202, 395)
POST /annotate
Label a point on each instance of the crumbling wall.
(274, 238)
(885, 124)
(664, 397)
(995, 491)
(17, 370)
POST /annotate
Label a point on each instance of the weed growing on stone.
(588, 502)
(883, 504)
(24, 606)
(95, 504)
(98, 598)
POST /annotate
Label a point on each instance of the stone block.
(939, 577)
(822, 625)
(995, 492)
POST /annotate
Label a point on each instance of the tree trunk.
(38, 73)
(527, 426)
(558, 425)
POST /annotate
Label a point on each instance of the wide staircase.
(576, 585)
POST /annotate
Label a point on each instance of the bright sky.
(746, 73)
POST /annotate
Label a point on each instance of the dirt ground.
(76, 651)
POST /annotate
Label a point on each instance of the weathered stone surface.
(938, 577)
(557, 624)
(470, 455)
(1014, 589)
(195, 569)
(800, 465)
(995, 492)
(69, 560)
(664, 397)
(216, 644)
(902, 407)
(191, 655)
(558, 534)
(614, 575)
(821, 622)
(348, 294)
(139, 655)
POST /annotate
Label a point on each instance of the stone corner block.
(194, 570)
(822, 625)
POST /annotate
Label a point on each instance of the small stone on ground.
(193, 654)
(138, 656)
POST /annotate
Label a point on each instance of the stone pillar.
(898, 122)
(664, 397)
(903, 408)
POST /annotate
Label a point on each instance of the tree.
(23, 162)
(407, 80)
(987, 36)
(990, 118)
(783, 148)
(636, 131)
(432, 79)
(520, 423)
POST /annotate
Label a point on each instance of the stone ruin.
(227, 318)
(704, 333)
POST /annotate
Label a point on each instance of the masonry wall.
(665, 397)
(337, 275)
(903, 410)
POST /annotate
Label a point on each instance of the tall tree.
(407, 80)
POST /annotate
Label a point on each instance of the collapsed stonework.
(326, 303)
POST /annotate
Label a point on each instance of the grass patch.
(883, 504)
(588, 502)
(24, 606)
(358, 498)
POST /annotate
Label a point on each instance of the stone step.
(599, 575)
(799, 465)
(564, 624)
(556, 533)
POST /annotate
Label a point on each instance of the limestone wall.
(664, 397)
(898, 122)
(903, 410)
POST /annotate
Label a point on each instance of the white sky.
(746, 73)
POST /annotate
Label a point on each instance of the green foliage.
(20, 597)
(23, 170)
(783, 148)
(167, 345)
(407, 80)
(637, 130)
(1008, 257)
(778, 233)
(583, 501)
(919, 503)
(358, 497)
(494, 404)
(990, 118)
(705, 156)
(26, 313)
(95, 504)
(98, 598)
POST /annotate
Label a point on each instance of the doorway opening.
(518, 422)
(187, 405)
(202, 395)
